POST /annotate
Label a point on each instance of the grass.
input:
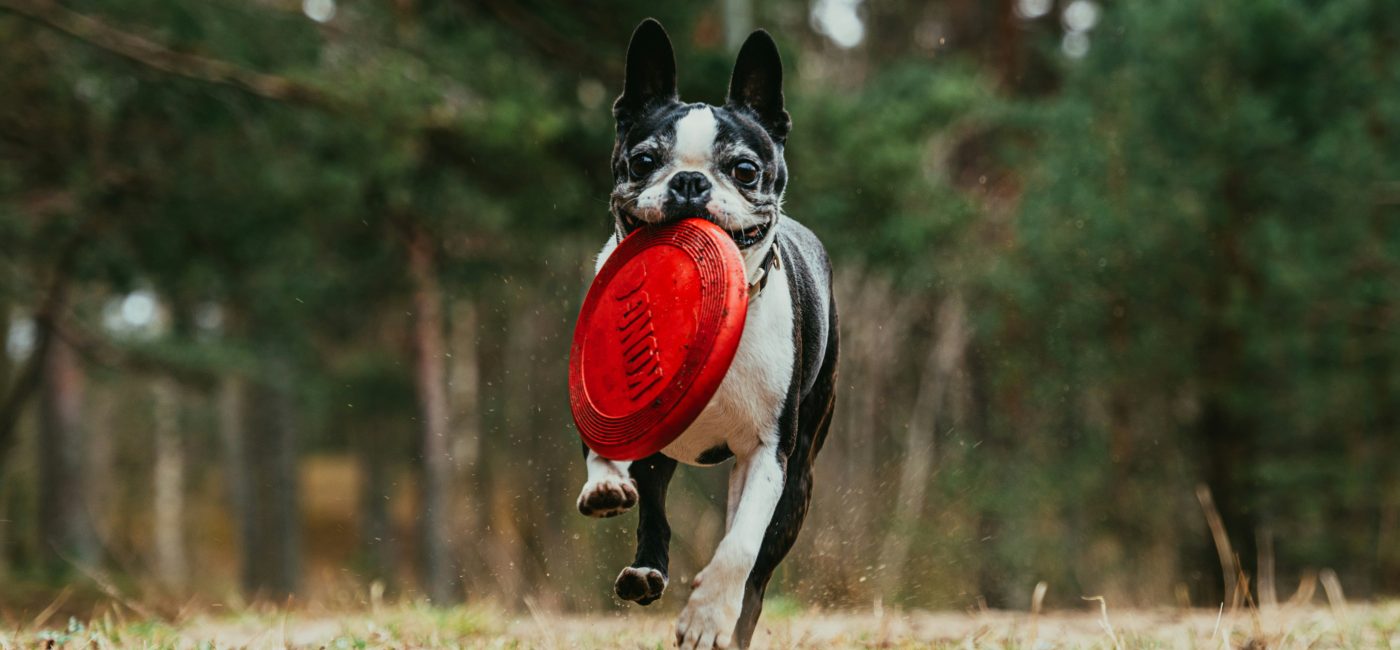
(483, 626)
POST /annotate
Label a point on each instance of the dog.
(674, 160)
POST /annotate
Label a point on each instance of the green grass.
(786, 625)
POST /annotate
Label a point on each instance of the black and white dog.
(725, 163)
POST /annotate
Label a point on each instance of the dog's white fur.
(606, 476)
(695, 136)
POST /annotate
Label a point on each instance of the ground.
(1349, 626)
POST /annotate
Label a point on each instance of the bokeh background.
(287, 288)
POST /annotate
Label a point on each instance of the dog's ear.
(650, 78)
(757, 84)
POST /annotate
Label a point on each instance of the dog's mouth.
(742, 238)
(750, 236)
(630, 223)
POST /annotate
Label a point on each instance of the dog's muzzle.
(742, 238)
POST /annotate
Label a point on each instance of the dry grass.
(1099, 626)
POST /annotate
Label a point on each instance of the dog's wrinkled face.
(721, 163)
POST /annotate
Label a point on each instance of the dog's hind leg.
(644, 581)
(609, 491)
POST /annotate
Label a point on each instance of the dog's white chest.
(745, 409)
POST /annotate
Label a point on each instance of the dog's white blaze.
(695, 138)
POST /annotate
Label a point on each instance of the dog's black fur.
(754, 124)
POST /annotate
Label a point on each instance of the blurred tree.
(65, 528)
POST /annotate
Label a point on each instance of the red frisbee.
(656, 334)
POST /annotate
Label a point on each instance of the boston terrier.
(674, 160)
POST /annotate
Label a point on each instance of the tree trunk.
(935, 385)
(465, 400)
(377, 538)
(65, 530)
(168, 482)
(236, 478)
(28, 380)
(440, 579)
(1226, 432)
(272, 526)
(1387, 496)
(103, 499)
(1008, 44)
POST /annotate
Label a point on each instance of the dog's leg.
(777, 541)
(814, 412)
(646, 579)
(609, 491)
(737, 474)
(710, 617)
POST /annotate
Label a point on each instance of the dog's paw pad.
(642, 585)
(607, 497)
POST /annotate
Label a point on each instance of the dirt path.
(1354, 626)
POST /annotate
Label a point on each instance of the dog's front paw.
(607, 497)
(639, 584)
(710, 616)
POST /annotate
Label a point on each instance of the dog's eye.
(745, 173)
(641, 166)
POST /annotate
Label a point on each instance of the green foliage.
(870, 170)
(1204, 228)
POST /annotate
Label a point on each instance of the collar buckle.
(771, 262)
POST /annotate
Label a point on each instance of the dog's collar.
(771, 263)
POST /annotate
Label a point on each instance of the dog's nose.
(690, 187)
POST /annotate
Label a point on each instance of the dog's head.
(721, 163)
